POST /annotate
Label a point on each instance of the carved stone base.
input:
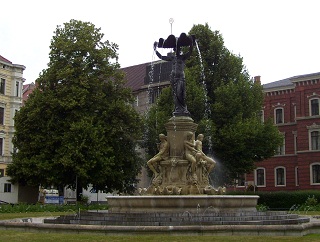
(181, 204)
(175, 174)
(176, 179)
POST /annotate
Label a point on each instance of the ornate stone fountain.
(181, 169)
(180, 199)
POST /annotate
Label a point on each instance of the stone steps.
(180, 219)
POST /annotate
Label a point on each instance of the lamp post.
(171, 22)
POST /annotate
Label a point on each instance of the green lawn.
(13, 236)
(6, 216)
(17, 235)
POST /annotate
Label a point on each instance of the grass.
(14, 236)
(18, 235)
(6, 216)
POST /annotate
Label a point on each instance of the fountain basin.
(183, 203)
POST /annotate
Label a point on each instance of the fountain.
(180, 198)
(181, 169)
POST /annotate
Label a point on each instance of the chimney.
(257, 79)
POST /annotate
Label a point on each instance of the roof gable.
(134, 76)
(4, 60)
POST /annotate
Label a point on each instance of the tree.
(78, 124)
(226, 103)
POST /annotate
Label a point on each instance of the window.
(1, 172)
(261, 116)
(297, 175)
(14, 150)
(7, 187)
(315, 140)
(295, 141)
(2, 85)
(17, 89)
(314, 136)
(279, 116)
(260, 177)
(314, 107)
(315, 173)
(1, 146)
(280, 176)
(153, 95)
(2, 115)
(241, 180)
(281, 148)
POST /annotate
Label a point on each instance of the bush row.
(24, 208)
(286, 200)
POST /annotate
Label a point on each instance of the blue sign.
(52, 200)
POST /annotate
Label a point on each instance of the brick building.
(293, 105)
(26, 91)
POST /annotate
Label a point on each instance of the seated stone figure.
(163, 154)
(207, 161)
(192, 155)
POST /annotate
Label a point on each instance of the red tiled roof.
(4, 59)
(134, 75)
(27, 87)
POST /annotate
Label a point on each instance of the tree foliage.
(78, 124)
(226, 103)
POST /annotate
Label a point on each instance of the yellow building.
(11, 83)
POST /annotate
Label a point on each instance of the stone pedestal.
(175, 173)
(177, 129)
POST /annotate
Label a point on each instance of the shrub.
(286, 200)
(25, 208)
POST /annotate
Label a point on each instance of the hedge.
(283, 200)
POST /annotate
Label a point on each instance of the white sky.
(276, 38)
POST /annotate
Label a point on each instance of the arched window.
(314, 106)
(278, 116)
(315, 140)
(281, 148)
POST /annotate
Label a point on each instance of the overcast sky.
(277, 39)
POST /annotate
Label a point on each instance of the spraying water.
(207, 113)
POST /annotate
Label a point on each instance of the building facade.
(146, 82)
(27, 89)
(11, 82)
(293, 105)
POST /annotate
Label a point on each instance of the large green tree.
(225, 102)
(78, 125)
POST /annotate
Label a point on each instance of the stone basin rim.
(185, 196)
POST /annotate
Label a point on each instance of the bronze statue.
(177, 77)
(163, 154)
